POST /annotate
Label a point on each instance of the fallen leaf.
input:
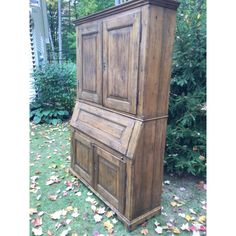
(196, 233)
(193, 228)
(52, 197)
(65, 232)
(68, 221)
(192, 211)
(68, 183)
(69, 208)
(202, 219)
(176, 198)
(94, 208)
(201, 185)
(78, 194)
(159, 229)
(56, 215)
(167, 182)
(175, 230)
(37, 222)
(50, 233)
(58, 225)
(144, 231)
(188, 217)
(64, 212)
(37, 231)
(75, 214)
(91, 200)
(185, 227)
(109, 226)
(182, 215)
(114, 221)
(109, 214)
(157, 223)
(53, 179)
(33, 211)
(101, 210)
(41, 213)
(202, 158)
(202, 228)
(37, 172)
(97, 218)
(165, 227)
(173, 204)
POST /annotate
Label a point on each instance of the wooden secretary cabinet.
(119, 121)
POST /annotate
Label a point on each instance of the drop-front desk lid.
(114, 130)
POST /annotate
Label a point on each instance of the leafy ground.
(61, 205)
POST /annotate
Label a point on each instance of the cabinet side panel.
(143, 170)
(157, 66)
(160, 141)
(166, 61)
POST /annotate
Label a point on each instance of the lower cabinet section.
(83, 159)
(103, 171)
(110, 177)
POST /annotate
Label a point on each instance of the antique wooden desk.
(119, 121)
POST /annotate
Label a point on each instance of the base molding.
(130, 224)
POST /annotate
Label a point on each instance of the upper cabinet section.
(121, 37)
(124, 57)
(89, 45)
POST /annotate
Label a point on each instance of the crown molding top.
(171, 4)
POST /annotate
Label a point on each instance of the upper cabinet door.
(121, 39)
(90, 62)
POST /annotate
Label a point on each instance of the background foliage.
(186, 132)
(55, 87)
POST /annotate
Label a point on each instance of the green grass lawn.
(183, 200)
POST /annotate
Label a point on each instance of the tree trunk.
(59, 32)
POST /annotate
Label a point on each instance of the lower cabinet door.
(83, 159)
(110, 177)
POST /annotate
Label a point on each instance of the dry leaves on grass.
(52, 180)
(37, 231)
(108, 226)
(97, 218)
(37, 222)
(52, 197)
(144, 231)
(33, 211)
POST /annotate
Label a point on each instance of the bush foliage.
(55, 87)
(186, 132)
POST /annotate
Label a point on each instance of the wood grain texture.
(118, 127)
(89, 43)
(121, 38)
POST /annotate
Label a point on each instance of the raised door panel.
(121, 39)
(83, 158)
(110, 178)
(89, 62)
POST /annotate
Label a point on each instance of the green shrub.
(55, 87)
(186, 132)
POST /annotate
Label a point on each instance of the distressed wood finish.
(89, 41)
(121, 38)
(119, 121)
